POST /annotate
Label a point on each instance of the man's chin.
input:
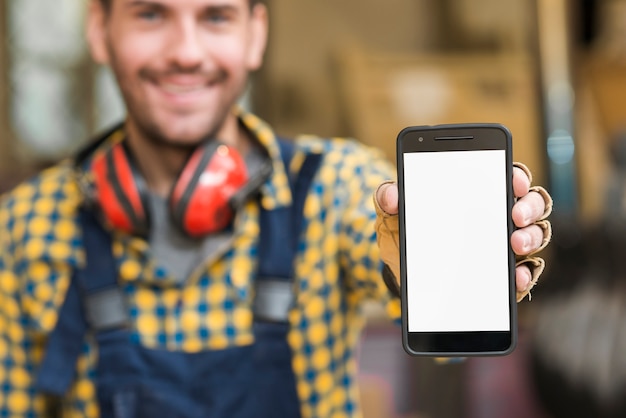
(183, 142)
(182, 138)
(176, 130)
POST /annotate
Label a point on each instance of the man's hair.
(107, 3)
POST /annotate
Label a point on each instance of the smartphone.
(456, 261)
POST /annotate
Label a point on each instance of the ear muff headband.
(188, 178)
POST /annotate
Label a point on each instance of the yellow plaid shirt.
(337, 268)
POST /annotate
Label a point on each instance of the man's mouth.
(185, 91)
(181, 82)
(175, 88)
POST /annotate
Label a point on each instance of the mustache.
(209, 75)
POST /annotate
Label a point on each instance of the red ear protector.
(211, 186)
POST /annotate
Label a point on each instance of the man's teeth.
(181, 89)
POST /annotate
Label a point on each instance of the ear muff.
(211, 186)
(202, 200)
(120, 192)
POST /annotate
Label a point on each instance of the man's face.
(180, 64)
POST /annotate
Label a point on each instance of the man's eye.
(216, 18)
(150, 15)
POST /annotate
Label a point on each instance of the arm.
(37, 255)
(18, 348)
(360, 258)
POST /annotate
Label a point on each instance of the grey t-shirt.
(178, 253)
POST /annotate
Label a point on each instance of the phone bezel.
(457, 137)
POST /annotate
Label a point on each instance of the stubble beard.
(146, 124)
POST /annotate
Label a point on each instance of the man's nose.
(186, 48)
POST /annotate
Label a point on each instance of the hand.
(532, 205)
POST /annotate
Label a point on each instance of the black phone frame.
(457, 137)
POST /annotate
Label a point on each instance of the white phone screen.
(457, 243)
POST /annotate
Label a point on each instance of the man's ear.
(97, 32)
(258, 36)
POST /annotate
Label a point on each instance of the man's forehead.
(185, 3)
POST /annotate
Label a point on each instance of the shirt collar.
(276, 191)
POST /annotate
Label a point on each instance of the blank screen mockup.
(457, 243)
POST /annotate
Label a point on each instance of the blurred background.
(553, 71)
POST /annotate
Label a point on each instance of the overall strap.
(90, 303)
(279, 239)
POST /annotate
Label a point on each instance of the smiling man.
(180, 67)
(190, 263)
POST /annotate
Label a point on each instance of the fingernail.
(525, 214)
(528, 283)
(526, 243)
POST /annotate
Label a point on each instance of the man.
(190, 264)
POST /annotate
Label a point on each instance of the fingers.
(527, 272)
(528, 209)
(533, 202)
(522, 278)
(527, 240)
(387, 197)
(521, 182)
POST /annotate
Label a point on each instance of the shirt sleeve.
(20, 349)
(364, 170)
(37, 240)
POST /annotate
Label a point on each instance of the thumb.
(387, 197)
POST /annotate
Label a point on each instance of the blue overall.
(137, 382)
